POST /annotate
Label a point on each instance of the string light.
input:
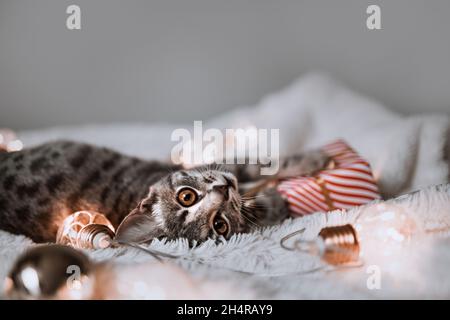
(377, 234)
(335, 245)
(86, 230)
(384, 229)
(42, 272)
(9, 141)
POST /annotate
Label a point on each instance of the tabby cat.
(40, 186)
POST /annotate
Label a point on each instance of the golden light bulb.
(85, 229)
(49, 272)
(15, 145)
(386, 223)
(9, 141)
(380, 232)
(30, 280)
(335, 245)
(384, 230)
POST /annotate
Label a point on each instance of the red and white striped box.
(348, 184)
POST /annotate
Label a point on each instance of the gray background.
(167, 60)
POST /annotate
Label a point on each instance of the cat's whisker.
(254, 199)
(235, 206)
(249, 215)
(248, 212)
(251, 197)
(251, 222)
(258, 207)
(254, 205)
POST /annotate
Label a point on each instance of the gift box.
(349, 182)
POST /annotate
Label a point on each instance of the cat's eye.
(220, 226)
(187, 197)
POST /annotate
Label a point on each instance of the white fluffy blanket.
(405, 154)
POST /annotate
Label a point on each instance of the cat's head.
(195, 204)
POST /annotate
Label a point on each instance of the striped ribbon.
(348, 184)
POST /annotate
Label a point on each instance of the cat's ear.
(140, 225)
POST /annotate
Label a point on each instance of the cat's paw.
(306, 164)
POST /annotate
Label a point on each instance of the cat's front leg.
(266, 204)
(265, 208)
(250, 176)
(306, 164)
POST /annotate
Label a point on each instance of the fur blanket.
(405, 154)
(256, 266)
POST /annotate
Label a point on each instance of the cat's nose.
(223, 189)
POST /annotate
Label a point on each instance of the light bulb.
(383, 229)
(335, 245)
(50, 272)
(9, 141)
(380, 232)
(85, 229)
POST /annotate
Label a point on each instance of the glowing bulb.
(379, 233)
(9, 141)
(335, 245)
(15, 145)
(383, 232)
(30, 280)
(50, 272)
(84, 229)
(385, 223)
(387, 215)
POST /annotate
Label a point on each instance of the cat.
(41, 186)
